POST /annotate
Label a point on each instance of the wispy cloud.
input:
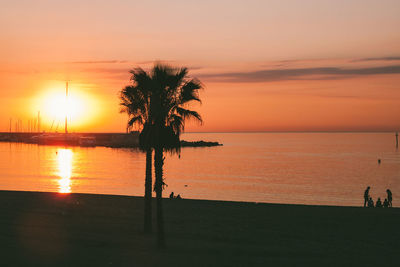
(393, 58)
(320, 73)
(98, 62)
(122, 72)
(109, 73)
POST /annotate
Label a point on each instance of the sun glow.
(55, 106)
(61, 106)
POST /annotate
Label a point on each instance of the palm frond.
(190, 91)
(177, 123)
(189, 114)
(135, 120)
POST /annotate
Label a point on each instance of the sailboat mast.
(66, 109)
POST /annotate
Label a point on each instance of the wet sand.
(39, 229)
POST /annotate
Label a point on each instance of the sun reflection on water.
(64, 158)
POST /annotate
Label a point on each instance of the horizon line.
(312, 131)
(294, 131)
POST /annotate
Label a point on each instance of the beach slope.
(49, 229)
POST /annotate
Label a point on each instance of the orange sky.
(266, 65)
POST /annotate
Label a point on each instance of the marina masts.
(66, 108)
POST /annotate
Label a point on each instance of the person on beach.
(178, 196)
(370, 203)
(379, 203)
(366, 196)
(386, 203)
(171, 196)
(389, 197)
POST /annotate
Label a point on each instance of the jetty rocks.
(113, 140)
(199, 143)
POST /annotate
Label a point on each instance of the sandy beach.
(83, 229)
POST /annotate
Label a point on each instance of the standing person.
(366, 196)
(389, 194)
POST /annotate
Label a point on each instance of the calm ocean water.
(298, 168)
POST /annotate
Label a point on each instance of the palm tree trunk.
(158, 187)
(147, 194)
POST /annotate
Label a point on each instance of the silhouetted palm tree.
(172, 91)
(157, 101)
(135, 101)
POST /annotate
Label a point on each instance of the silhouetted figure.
(178, 196)
(379, 161)
(171, 196)
(386, 203)
(366, 196)
(389, 197)
(379, 203)
(370, 203)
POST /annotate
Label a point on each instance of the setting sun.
(61, 106)
(54, 105)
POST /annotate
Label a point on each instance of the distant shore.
(100, 230)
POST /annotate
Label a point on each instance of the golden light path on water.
(64, 159)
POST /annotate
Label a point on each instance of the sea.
(291, 168)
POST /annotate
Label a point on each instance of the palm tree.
(135, 101)
(157, 102)
(172, 92)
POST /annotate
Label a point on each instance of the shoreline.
(41, 228)
(222, 201)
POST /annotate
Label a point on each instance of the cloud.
(99, 62)
(394, 58)
(109, 73)
(124, 72)
(320, 73)
(145, 62)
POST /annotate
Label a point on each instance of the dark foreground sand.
(38, 229)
